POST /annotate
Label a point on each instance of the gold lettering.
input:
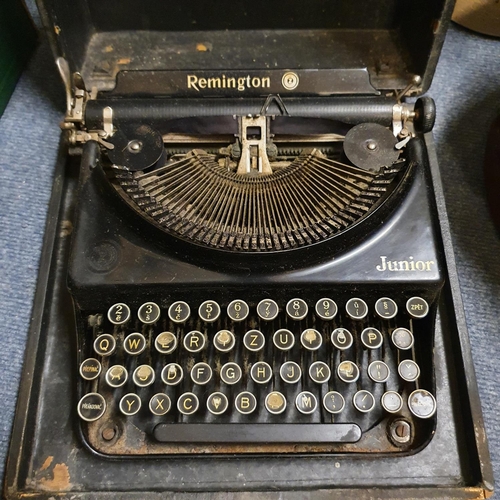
(193, 341)
(186, 407)
(130, 404)
(245, 402)
(254, 340)
(159, 404)
(192, 81)
(104, 345)
(133, 343)
(266, 82)
(214, 83)
(202, 83)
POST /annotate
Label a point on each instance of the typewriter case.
(279, 69)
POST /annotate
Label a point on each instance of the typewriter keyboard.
(297, 371)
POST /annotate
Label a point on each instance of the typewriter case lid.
(127, 48)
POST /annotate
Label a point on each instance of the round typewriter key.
(245, 403)
(319, 372)
(209, 311)
(217, 403)
(402, 338)
(306, 402)
(386, 308)
(105, 344)
(356, 308)
(297, 309)
(422, 403)
(230, 373)
(119, 314)
(179, 312)
(149, 313)
(143, 376)
(201, 373)
(261, 372)
(363, 401)
(409, 370)
(238, 310)
(267, 309)
(194, 341)
(311, 339)
(188, 403)
(378, 371)
(326, 309)
(135, 343)
(333, 402)
(275, 403)
(90, 369)
(91, 407)
(172, 374)
(224, 340)
(372, 338)
(166, 342)
(391, 401)
(348, 372)
(290, 372)
(160, 404)
(116, 376)
(417, 307)
(254, 340)
(130, 404)
(283, 339)
(342, 338)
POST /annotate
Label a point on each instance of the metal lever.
(64, 71)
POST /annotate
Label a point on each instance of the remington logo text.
(222, 82)
(409, 265)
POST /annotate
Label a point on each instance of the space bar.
(257, 433)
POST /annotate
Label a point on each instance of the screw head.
(134, 146)
(400, 431)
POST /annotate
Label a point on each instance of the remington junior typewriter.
(259, 272)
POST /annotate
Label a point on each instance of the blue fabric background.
(467, 91)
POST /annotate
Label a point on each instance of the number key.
(297, 309)
(326, 309)
(238, 310)
(148, 313)
(119, 314)
(356, 308)
(267, 309)
(179, 312)
(209, 311)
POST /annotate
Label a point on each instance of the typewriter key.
(333, 402)
(90, 369)
(402, 338)
(149, 313)
(319, 372)
(297, 309)
(166, 342)
(188, 403)
(179, 312)
(386, 308)
(105, 344)
(348, 372)
(201, 373)
(143, 376)
(364, 401)
(254, 340)
(194, 341)
(91, 407)
(306, 402)
(356, 308)
(326, 309)
(290, 372)
(422, 403)
(230, 373)
(391, 401)
(267, 309)
(342, 338)
(275, 403)
(378, 371)
(311, 339)
(372, 338)
(130, 404)
(245, 403)
(160, 404)
(134, 344)
(172, 374)
(238, 310)
(409, 370)
(224, 340)
(283, 339)
(217, 403)
(209, 311)
(417, 307)
(116, 376)
(261, 372)
(119, 314)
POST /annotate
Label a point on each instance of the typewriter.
(258, 269)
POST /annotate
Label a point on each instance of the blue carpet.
(467, 90)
